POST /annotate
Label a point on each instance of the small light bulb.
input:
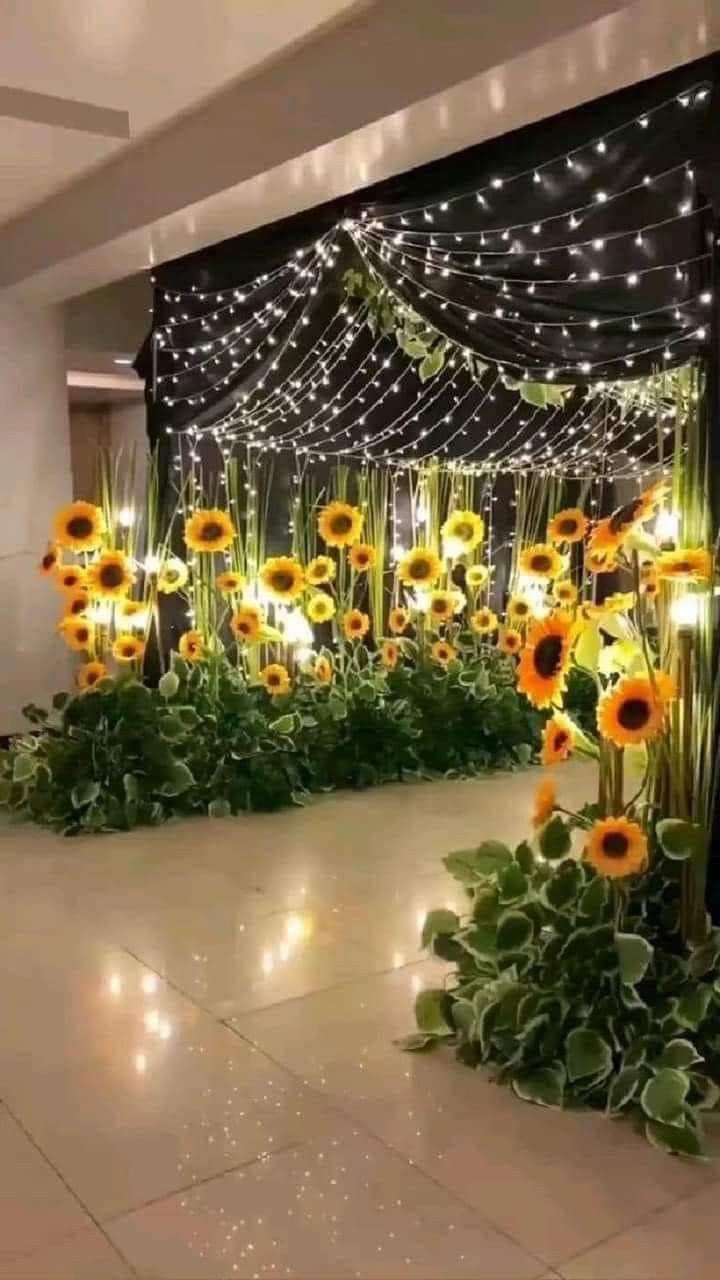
(126, 517)
(601, 196)
(600, 146)
(685, 611)
(632, 278)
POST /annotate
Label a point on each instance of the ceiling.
(151, 58)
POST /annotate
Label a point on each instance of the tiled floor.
(198, 1076)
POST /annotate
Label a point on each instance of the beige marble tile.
(35, 1204)
(85, 1256)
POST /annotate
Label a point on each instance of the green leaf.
(554, 839)
(283, 725)
(525, 857)
(587, 649)
(468, 865)
(561, 889)
(130, 787)
(169, 684)
(679, 839)
(480, 940)
(440, 921)
(179, 780)
(664, 1096)
(429, 1012)
(23, 766)
(692, 1007)
(219, 808)
(704, 958)
(634, 956)
(679, 1054)
(543, 1085)
(593, 899)
(84, 793)
(534, 393)
(677, 1140)
(512, 883)
(418, 1042)
(623, 1089)
(586, 1054)
(432, 364)
(514, 931)
(486, 906)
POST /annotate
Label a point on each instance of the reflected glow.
(297, 927)
(416, 983)
(420, 917)
(165, 1029)
(666, 526)
(268, 963)
(126, 517)
(152, 1020)
(140, 1063)
(398, 959)
(115, 984)
(685, 611)
(149, 983)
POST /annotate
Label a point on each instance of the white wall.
(127, 432)
(35, 479)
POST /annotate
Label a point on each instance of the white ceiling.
(153, 58)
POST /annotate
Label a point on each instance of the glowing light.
(100, 612)
(421, 514)
(267, 963)
(297, 927)
(149, 983)
(685, 611)
(297, 629)
(152, 1020)
(164, 1029)
(126, 517)
(115, 985)
(140, 1063)
(152, 563)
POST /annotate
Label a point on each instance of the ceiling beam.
(63, 113)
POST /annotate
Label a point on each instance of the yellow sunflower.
(127, 647)
(462, 532)
(355, 624)
(282, 578)
(172, 576)
(191, 646)
(519, 609)
(398, 621)
(70, 577)
(340, 524)
(323, 669)
(541, 561)
(558, 739)
(634, 710)
(510, 640)
(246, 622)
(566, 593)
(77, 633)
(230, 583)
(545, 803)
(616, 847)
(419, 568)
(89, 673)
(362, 557)
(568, 526)
(544, 662)
(320, 569)
(389, 654)
(688, 565)
(320, 607)
(442, 606)
(209, 529)
(75, 602)
(79, 526)
(51, 560)
(275, 678)
(442, 652)
(619, 602)
(111, 576)
(648, 581)
(133, 611)
(601, 559)
(484, 621)
(476, 576)
(605, 538)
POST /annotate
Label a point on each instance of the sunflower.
(519, 609)
(619, 602)
(558, 739)
(442, 606)
(362, 557)
(542, 670)
(133, 611)
(70, 577)
(510, 641)
(110, 577)
(541, 561)
(616, 847)
(463, 531)
(209, 530)
(230, 583)
(191, 646)
(442, 652)
(419, 568)
(320, 569)
(603, 537)
(172, 576)
(545, 803)
(75, 603)
(389, 654)
(355, 624)
(565, 592)
(276, 679)
(79, 526)
(246, 622)
(688, 565)
(476, 576)
(601, 559)
(568, 526)
(634, 710)
(323, 669)
(320, 607)
(77, 633)
(282, 578)
(483, 621)
(51, 560)
(648, 581)
(339, 524)
(127, 647)
(398, 621)
(631, 514)
(89, 673)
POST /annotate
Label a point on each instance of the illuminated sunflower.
(323, 669)
(320, 569)
(601, 560)
(51, 560)
(519, 609)
(541, 561)
(566, 593)
(70, 577)
(320, 607)
(542, 670)
(545, 803)
(246, 622)
(110, 577)
(389, 654)
(633, 513)
(633, 711)
(442, 652)
(75, 603)
(230, 583)
(89, 673)
(282, 578)
(209, 530)
(558, 739)
(339, 524)
(510, 641)
(275, 678)
(362, 557)
(476, 576)
(79, 526)
(605, 538)
(133, 611)
(619, 602)
(442, 606)
(355, 624)
(77, 633)
(568, 526)
(191, 646)
(616, 847)
(462, 532)
(688, 565)
(398, 621)
(419, 568)
(483, 621)
(127, 647)
(172, 576)
(649, 586)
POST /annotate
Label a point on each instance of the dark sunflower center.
(274, 678)
(568, 525)
(80, 527)
(49, 560)
(682, 566)
(615, 844)
(82, 633)
(419, 569)
(112, 575)
(91, 677)
(78, 605)
(547, 656)
(211, 530)
(464, 531)
(128, 650)
(342, 523)
(282, 580)
(541, 563)
(634, 713)
(561, 739)
(521, 609)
